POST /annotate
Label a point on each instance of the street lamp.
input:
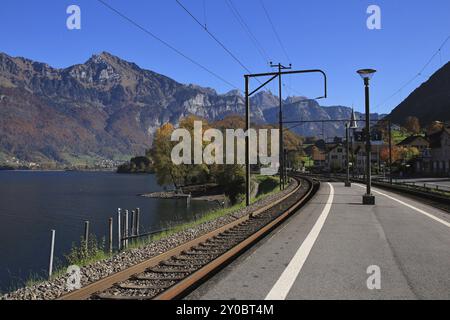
(351, 125)
(366, 75)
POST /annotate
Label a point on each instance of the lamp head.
(366, 73)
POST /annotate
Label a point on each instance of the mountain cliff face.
(108, 108)
(430, 102)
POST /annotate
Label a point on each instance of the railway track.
(176, 272)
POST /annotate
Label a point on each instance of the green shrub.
(83, 254)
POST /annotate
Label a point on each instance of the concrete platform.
(334, 246)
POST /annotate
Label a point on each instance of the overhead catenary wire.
(275, 31)
(292, 90)
(213, 36)
(419, 74)
(279, 42)
(262, 52)
(248, 31)
(204, 14)
(168, 45)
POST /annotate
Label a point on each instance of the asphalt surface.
(325, 254)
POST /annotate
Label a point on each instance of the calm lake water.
(33, 203)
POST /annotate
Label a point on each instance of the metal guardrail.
(437, 197)
(422, 185)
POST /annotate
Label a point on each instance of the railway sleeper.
(108, 296)
(161, 269)
(183, 264)
(156, 277)
(143, 287)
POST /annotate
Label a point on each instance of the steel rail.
(197, 277)
(193, 279)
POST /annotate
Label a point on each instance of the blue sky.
(326, 34)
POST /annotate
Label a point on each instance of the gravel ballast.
(57, 287)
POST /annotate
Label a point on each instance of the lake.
(32, 203)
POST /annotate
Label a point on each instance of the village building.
(421, 163)
(416, 141)
(336, 159)
(440, 152)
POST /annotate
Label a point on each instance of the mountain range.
(429, 102)
(109, 108)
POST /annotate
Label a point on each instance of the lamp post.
(366, 75)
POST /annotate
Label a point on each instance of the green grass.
(308, 161)
(400, 135)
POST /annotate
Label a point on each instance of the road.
(336, 248)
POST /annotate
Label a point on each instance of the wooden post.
(110, 235)
(138, 214)
(86, 234)
(52, 250)
(119, 234)
(126, 229)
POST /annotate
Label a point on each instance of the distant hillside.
(108, 108)
(430, 102)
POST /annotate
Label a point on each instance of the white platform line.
(283, 285)
(429, 215)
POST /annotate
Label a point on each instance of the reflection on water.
(33, 203)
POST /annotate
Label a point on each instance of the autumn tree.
(435, 127)
(412, 124)
(196, 173)
(295, 160)
(409, 153)
(166, 171)
(231, 178)
(384, 153)
(292, 141)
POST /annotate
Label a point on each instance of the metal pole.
(353, 154)
(188, 200)
(52, 250)
(280, 118)
(86, 234)
(138, 215)
(368, 142)
(390, 151)
(119, 231)
(285, 161)
(247, 141)
(133, 222)
(368, 198)
(110, 235)
(347, 182)
(126, 229)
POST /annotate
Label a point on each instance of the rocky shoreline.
(174, 195)
(204, 192)
(53, 289)
(165, 195)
